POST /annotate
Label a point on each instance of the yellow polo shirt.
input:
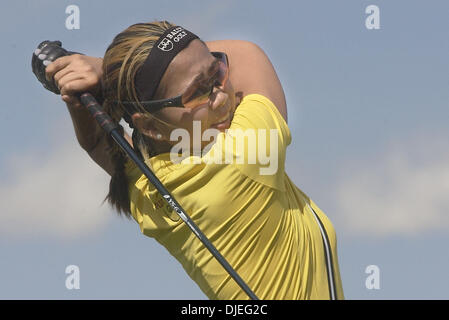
(250, 210)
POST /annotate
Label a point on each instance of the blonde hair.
(122, 60)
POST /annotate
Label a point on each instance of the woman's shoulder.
(251, 71)
(257, 111)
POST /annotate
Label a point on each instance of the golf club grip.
(105, 121)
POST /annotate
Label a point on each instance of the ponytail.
(123, 58)
(118, 196)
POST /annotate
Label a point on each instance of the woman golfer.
(210, 120)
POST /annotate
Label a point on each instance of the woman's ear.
(146, 125)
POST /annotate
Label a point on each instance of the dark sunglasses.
(197, 95)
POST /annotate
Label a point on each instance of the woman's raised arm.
(251, 71)
(77, 74)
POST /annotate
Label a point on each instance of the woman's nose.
(219, 102)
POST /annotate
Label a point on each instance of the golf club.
(47, 52)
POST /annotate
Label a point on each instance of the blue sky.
(368, 112)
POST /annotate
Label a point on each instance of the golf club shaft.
(111, 128)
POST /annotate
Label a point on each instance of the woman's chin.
(221, 126)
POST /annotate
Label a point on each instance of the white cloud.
(403, 192)
(58, 195)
